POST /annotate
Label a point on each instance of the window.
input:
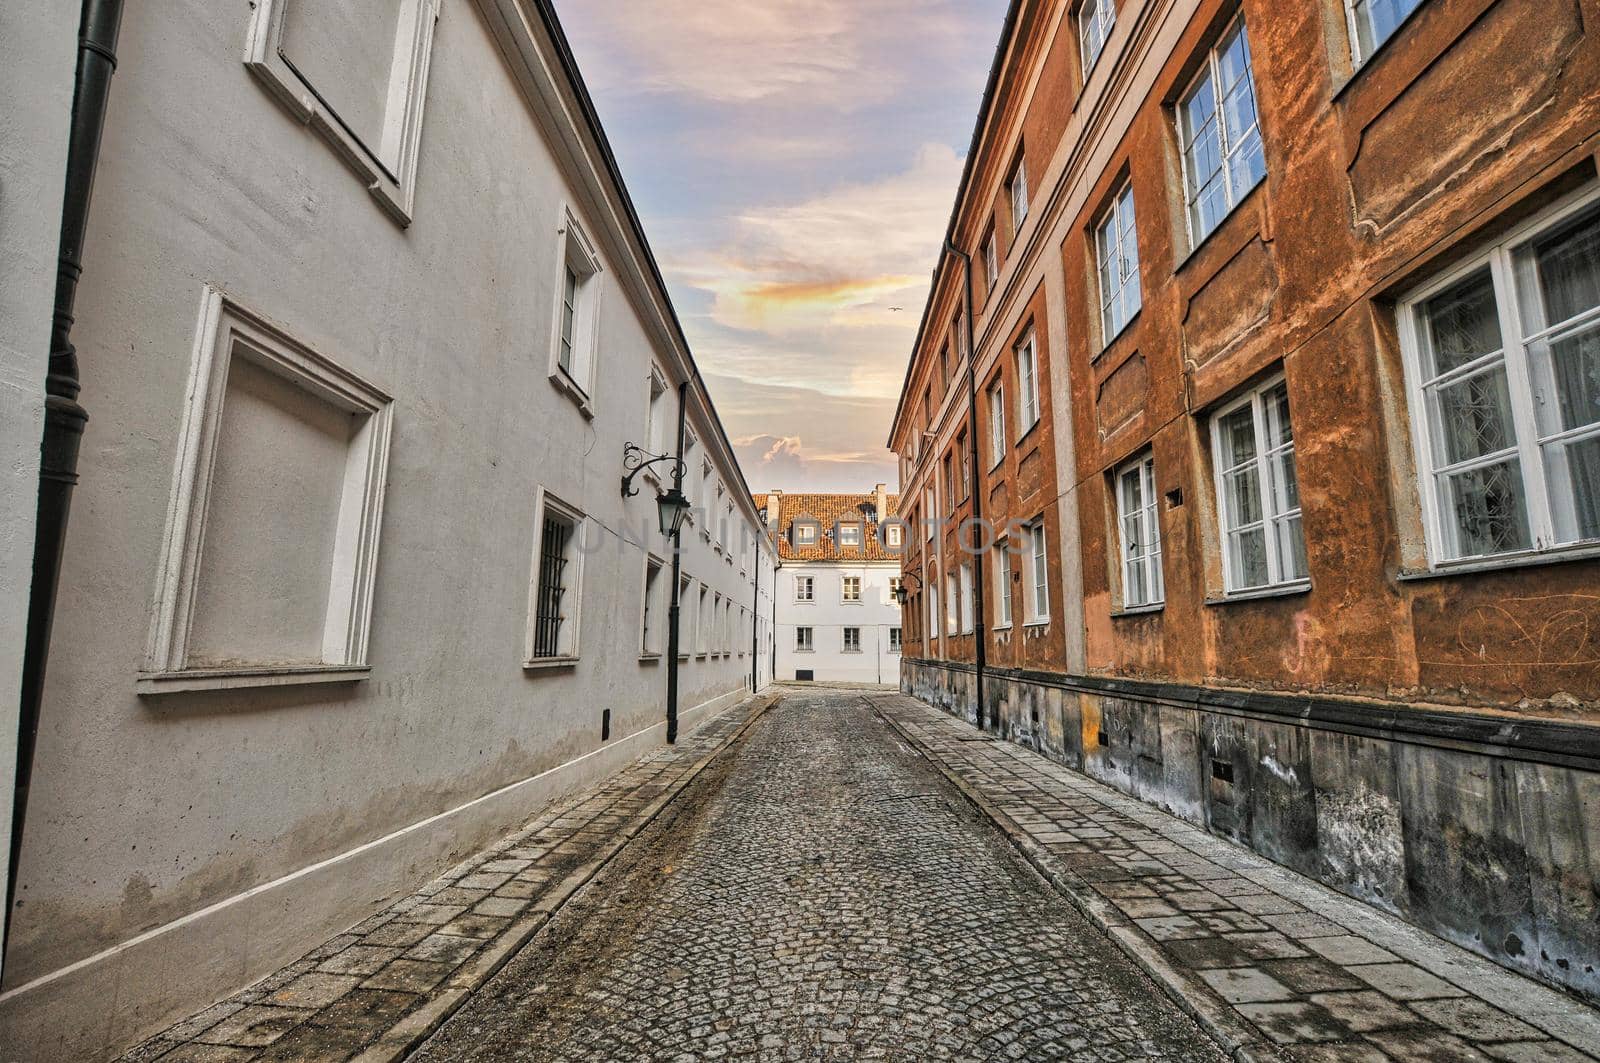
(997, 422)
(1139, 523)
(849, 535)
(959, 327)
(1374, 21)
(931, 511)
(356, 72)
(966, 598)
(950, 492)
(656, 415)
(1116, 245)
(952, 599)
(852, 640)
(894, 590)
(802, 640)
(553, 635)
(577, 314)
(650, 640)
(850, 588)
(1503, 360)
(1017, 191)
(1095, 19)
(944, 364)
(1222, 155)
(686, 635)
(894, 640)
(805, 588)
(1002, 584)
(719, 629)
(933, 607)
(1038, 575)
(276, 425)
(1027, 384)
(702, 644)
(991, 261)
(1258, 495)
(893, 534)
(966, 463)
(805, 533)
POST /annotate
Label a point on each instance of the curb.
(397, 1042)
(1196, 999)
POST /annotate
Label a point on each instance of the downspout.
(64, 419)
(677, 564)
(979, 627)
(755, 626)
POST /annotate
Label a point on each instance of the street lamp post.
(672, 506)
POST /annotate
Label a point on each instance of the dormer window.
(849, 535)
(805, 534)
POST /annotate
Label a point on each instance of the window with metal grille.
(852, 640)
(894, 640)
(553, 600)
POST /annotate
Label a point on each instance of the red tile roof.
(827, 512)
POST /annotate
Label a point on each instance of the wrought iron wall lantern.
(902, 592)
(671, 505)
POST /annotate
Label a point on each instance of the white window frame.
(893, 534)
(805, 589)
(952, 605)
(1017, 193)
(998, 446)
(570, 641)
(1027, 356)
(702, 645)
(1210, 71)
(1095, 21)
(850, 535)
(991, 261)
(965, 572)
(656, 419)
(844, 640)
(1270, 520)
(1354, 11)
(226, 330)
(933, 609)
(1514, 357)
(805, 639)
(850, 589)
(686, 624)
(1116, 255)
(1038, 571)
(574, 250)
(805, 533)
(650, 648)
(1147, 520)
(896, 641)
(389, 168)
(1002, 581)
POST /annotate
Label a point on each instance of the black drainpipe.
(64, 419)
(980, 637)
(677, 563)
(755, 622)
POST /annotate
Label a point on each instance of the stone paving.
(820, 893)
(379, 988)
(1273, 963)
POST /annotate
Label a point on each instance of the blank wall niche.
(267, 569)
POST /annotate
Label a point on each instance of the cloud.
(802, 439)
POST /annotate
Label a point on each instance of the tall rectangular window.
(1038, 575)
(933, 608)
(894, 589)
(1027, 353)
(805, 588)
(1116, 245)
(930, 513)
(1374, 21)
(967, 597)
(965, 487)
(650, 638)
(1503, 359)
(702, 645)
(894, 640)
(1002, 584)
(802, 640)
(569, 317)
(1258, 495)
(991, 261)
(1095, 19)
(852, 640)
(686, 621)
(952, 602)
(850, 589)
(656, 415)
(1017, 188)
(1139, 525)
(997, 422)
(1222, 154)
(950, 492)
(555, 598)
(577, 313)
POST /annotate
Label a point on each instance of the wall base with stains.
(1480, 828)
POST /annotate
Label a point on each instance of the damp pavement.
(821, 892)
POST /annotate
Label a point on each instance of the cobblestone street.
(820, 893)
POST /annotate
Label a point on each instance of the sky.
(794, 163)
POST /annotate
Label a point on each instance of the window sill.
(998, 628)
(798, 649)
(1479, 566)
(1138, 610)
(649, 658)
(549, 664)
(246, 678)
(563, 382)
(1287, 590)
(1043, 621)
(1222, 223)
(849, 651)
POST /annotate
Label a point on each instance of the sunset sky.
(794, 162)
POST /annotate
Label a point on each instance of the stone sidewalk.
(377, 990)
(1273, 964)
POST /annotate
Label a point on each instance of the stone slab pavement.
(377, 990)
(1273, 964)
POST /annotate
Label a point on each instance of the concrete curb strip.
(1197, 999)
